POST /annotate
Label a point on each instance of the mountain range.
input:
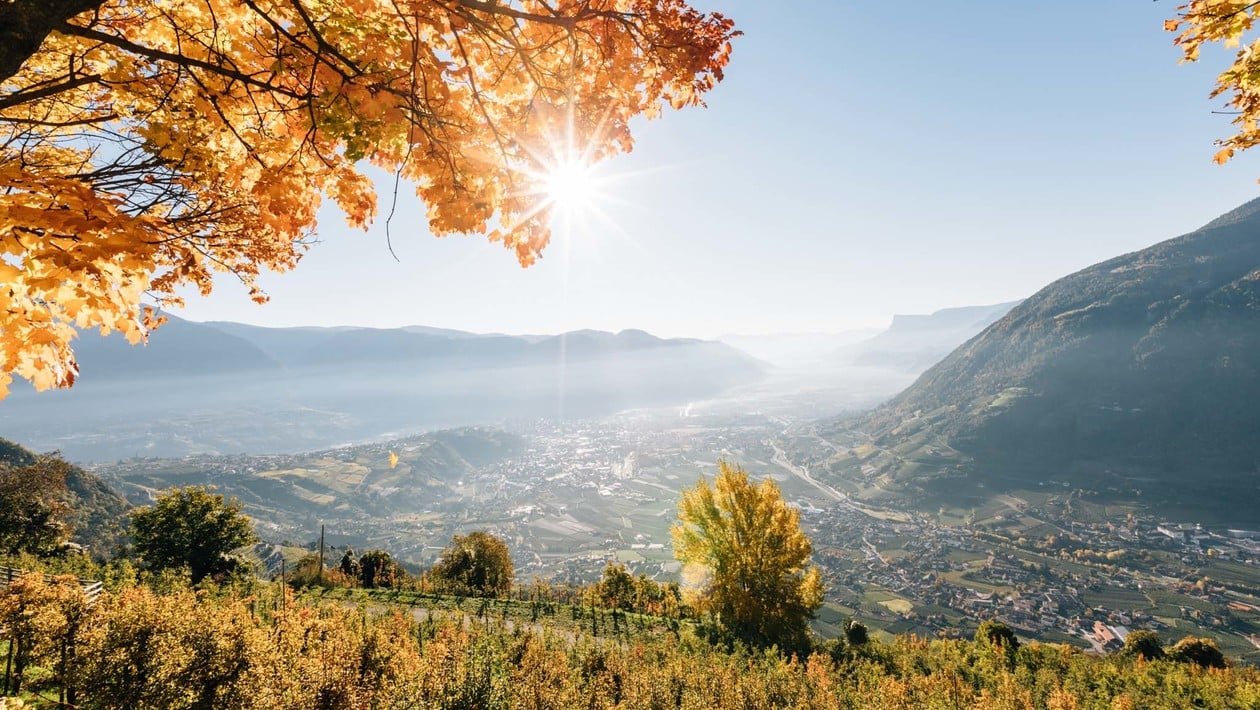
(228, 387)
(187, 348)
(1138, 376)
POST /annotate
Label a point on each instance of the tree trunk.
(8, 666)
(19, 667)
(24, 24)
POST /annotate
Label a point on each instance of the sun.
(570, 186)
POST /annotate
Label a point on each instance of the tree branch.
(24, 24)
(173, 58)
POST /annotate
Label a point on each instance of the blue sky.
(861, 159)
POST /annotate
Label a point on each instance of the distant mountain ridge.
(916, 342)
(178, 348)
(232, 388)
(182, 347)
(1141, 373)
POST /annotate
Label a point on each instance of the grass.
(964, 556)
(1117, 599)
(1233, 574)
(897, 606)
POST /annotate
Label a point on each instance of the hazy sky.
(861, 159)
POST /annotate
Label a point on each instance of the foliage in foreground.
(146, 145)
(197, 649)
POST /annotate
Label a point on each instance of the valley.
(1057, 564)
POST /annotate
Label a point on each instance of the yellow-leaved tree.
(745, 558)
(1226, 21)
(147, 144)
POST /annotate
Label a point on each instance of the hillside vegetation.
(155, 639)
(95, 514)
(181, 648)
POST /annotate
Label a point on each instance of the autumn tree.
(1228, 22)
(194, 528)
(41, 622)
(33, 509)
(477, 564)
(146, 145)
(746, 543)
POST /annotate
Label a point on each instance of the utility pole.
(320, 578)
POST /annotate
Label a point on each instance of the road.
(780, 459)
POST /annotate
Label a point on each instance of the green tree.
(995, 633)
(746, 558)
(617, 588)
(477, 564)
(33, 510)
(1000, 640)
(377, 569)
(193, 528)
(1201, 651)
(1144, 644)
(855, 633)
(349, 565)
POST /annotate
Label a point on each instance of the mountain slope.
(1141, 373)
(915, 342)
(98, 514)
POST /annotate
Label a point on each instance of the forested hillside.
(1139, 374)
(95, 514)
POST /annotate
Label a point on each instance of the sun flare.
(570, 185)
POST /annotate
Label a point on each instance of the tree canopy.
(1203, 22)
(476, 564)
(747, 544)
(377, 569)
(191, 527)
(1145, 644)
(34, 515)
(1201, 651)
(146, 145)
